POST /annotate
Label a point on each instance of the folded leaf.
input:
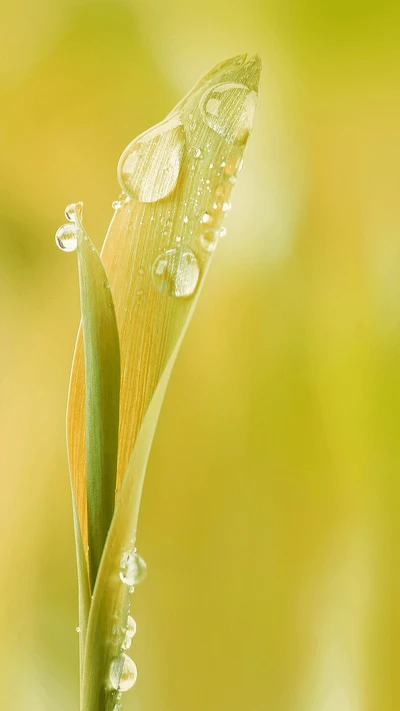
(177, 179)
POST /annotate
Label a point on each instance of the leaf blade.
(102, 386)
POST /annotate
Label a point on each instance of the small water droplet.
(78, 629)
(197, 152)
(130, 627)
(205, 218)
(116, 205)
(222, 164)
(118, 707)
(66, 238)
(209, 240)
(126, 643)
(149, 167)
(229, 110)
(222, 231)
(70, 212)
(132, 569)
(226, 207)
(123, 673)
(176, 272)
(186, 219)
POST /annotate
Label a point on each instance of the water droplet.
(226, 207)
(176, 272)
(132, 569)
(186, 219)
(130, 627)
(116, 205)
(149, 167)
(70, 212)
(66, 238)
(205, 218)
(197, 152)
(118, 707)
(126, 643)
(229, 110)
(222, 231)
(123, 673)
(78, 629)
(209, 240)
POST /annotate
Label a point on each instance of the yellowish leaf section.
(157, 252)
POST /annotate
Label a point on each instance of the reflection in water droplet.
(176, 272)
(209, 240)
(123, 673)
(130, 627)
(149, 167)
(70, 212)
(66, 238)
(132, 569)
(229, 110)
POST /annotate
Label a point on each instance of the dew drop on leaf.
(229, 110)
(209, 240)
(130, 627)
(123, 673)
(66, 238)
(70, 212)
(176, 272)
(132, 569)
(149, 167)
(126, 643)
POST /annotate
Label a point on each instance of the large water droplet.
(229, 110)
(132, 569)
(130, 627)
(66, 238)
(176, 272)
(123, 673)
(209, 240)
(149, 167)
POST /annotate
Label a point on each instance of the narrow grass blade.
(102, 383)
(177, 179)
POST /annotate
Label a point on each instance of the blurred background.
(270, 519)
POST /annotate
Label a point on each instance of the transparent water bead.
(130, 627)
(116, 205)
(149, 167)
(66, 238)
(176, 272)
(229, 110)
(209, 240)
(70, 212)
(132, 569)
(123, 673)
(126, 643)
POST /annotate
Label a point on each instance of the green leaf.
(102, 384)
(178, 176)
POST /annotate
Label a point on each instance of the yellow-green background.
(271, 506)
